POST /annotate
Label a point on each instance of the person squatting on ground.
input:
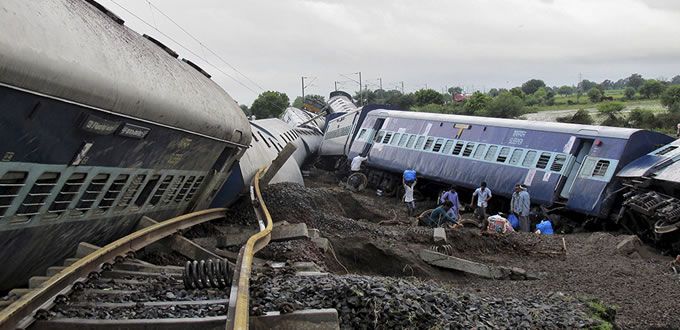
(483, 195)
(520, 205)
(452, 196)
(356, 163)
(440, 216)
(408, 197)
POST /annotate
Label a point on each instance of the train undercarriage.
(653, 216)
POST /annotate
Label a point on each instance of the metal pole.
(402, 87)
(380, 79)
(303, 90)
(336, 86)
(361, 97)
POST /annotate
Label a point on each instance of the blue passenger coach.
(565, 165)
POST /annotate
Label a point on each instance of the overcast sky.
(476, 44)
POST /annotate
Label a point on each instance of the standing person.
(440, 215)
(452, 196)
(483, 195)
(408, 197)
(520, 205)
(677, 133)
(356, 163)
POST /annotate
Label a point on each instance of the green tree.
(245, 109)
(629, 93)
(504, 105)
(671, 98)
(586, 85)
(635, 80)
(675, 80)
(611, 111)
(594, 95)
(642, 118)
(532, 86)
(311, 98)
(580, 117)
(455, 90)
(476, 103)
(651, 88)
(494, 92)
(269, 104)
(517, 92)
(367, 96)
(428, 96)
(565, 90)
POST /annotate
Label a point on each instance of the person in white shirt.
(408, 197)
(483, 195)
(356, 163)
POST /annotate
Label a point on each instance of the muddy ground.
(641, 288)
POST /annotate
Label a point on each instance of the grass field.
(561, 103)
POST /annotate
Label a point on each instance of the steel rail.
(239, 297)
(21, 312)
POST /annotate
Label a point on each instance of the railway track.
(109, 288)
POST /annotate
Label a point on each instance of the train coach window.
(379, 137)
(503, 155)
(35, 199)
(283, 138)
(10, 184)
(438, 145)
(479, 152)
(558, 162)
(185, 189)
(174, 189)
(516, 155)
(362, 134)
(457, 149)
(529, 159)
(428, 144)
(67, 193)
(665, 150)
(403, 139)
(447, 147)
(411, 141)
(601, 168)
(491, 153)
(162, 188)
(114, 190)
(194, 188)
(91, 194)
(543, 160)
(388, 136)
(132, 189)
(468, 149)
(420, 142)
(396, 138)
(146, 191)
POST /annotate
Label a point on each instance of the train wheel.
(357, 182)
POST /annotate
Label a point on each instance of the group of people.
(448, 211)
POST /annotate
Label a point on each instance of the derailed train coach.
(651, 205)
(568, 167)
(99, 126)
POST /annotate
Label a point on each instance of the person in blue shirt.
(452, 195)
(440, 215)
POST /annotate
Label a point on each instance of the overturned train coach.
(568, 167)
(101, 126)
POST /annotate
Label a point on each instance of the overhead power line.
(206, 47)
(185, 48)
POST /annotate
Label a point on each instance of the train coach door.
(574, 166)
(376, 128)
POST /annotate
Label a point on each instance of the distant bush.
(580, 117)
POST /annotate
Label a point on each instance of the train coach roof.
(587, 130)
(70, 50)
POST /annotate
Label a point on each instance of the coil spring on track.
(443, 249)
(200, 274)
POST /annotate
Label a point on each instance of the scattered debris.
(475, 268)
